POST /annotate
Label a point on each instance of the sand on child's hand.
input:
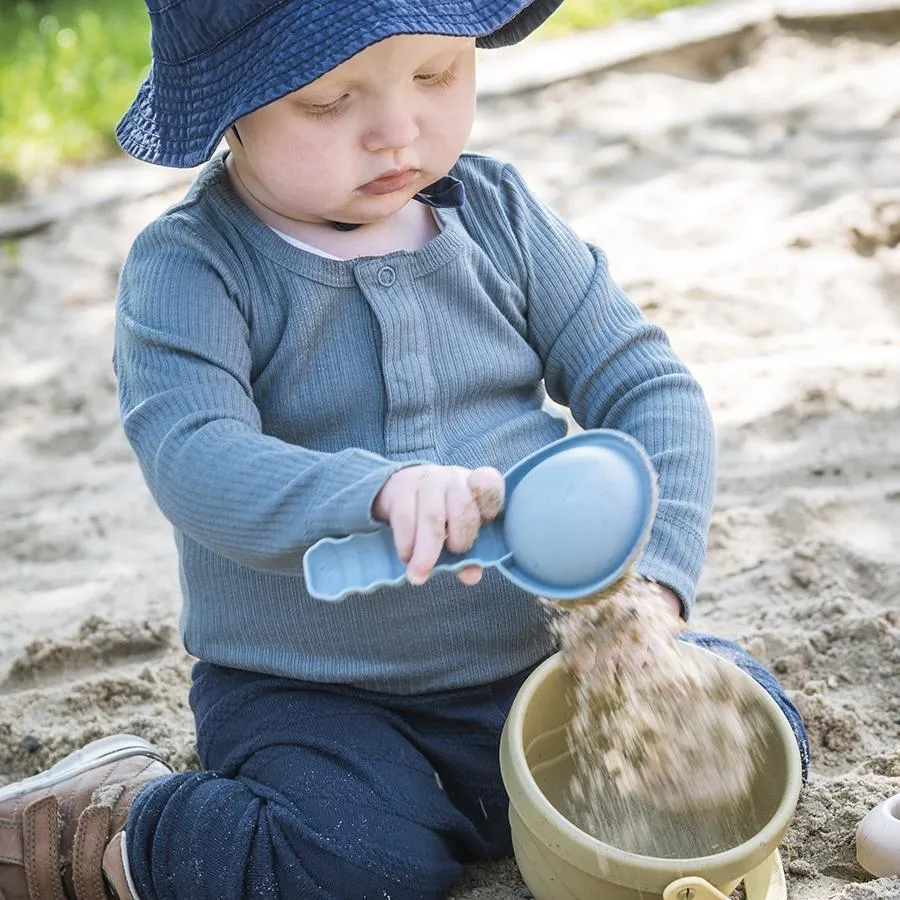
(490, 502)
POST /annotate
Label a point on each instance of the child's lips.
(391, 181)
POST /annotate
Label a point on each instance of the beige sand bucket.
(559, 861)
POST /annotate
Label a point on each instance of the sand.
(664, 740)
(749, 204)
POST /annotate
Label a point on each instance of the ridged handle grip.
(360, 563)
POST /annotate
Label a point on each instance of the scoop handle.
(360, 563)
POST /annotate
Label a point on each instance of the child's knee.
(247, 845)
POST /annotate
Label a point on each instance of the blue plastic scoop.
(578, 514)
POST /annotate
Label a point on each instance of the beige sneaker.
(61, 831)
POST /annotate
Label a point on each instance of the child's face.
(359, 142)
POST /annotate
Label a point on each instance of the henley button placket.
(405, 358)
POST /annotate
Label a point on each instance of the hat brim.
(183, 108)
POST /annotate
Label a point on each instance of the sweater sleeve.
(183, 366)
(614, 369)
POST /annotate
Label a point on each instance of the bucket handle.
(765, 882)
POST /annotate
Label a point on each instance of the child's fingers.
(487, 487)
(431, 529)
(463, 518)
(470, 574)
(403, 524)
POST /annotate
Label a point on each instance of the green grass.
(70, 68)
(575, 15)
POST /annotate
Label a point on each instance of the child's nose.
(393, 127)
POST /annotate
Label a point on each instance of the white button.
(386, 276)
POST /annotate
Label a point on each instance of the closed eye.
(437, 79)
(323, 110)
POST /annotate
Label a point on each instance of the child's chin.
(379, 209)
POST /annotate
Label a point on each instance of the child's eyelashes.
(437, 79)
(327, 110)
(324, 110)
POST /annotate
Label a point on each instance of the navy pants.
(323, 792)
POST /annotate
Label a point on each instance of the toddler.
(347, 322)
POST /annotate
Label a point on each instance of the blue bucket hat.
(214, 62)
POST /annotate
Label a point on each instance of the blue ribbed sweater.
(269, 393)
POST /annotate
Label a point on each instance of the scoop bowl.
(578, 514)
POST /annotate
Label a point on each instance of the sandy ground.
(748, 201)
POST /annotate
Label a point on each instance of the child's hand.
(430, 507)
(635, 626)
(670, 600)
